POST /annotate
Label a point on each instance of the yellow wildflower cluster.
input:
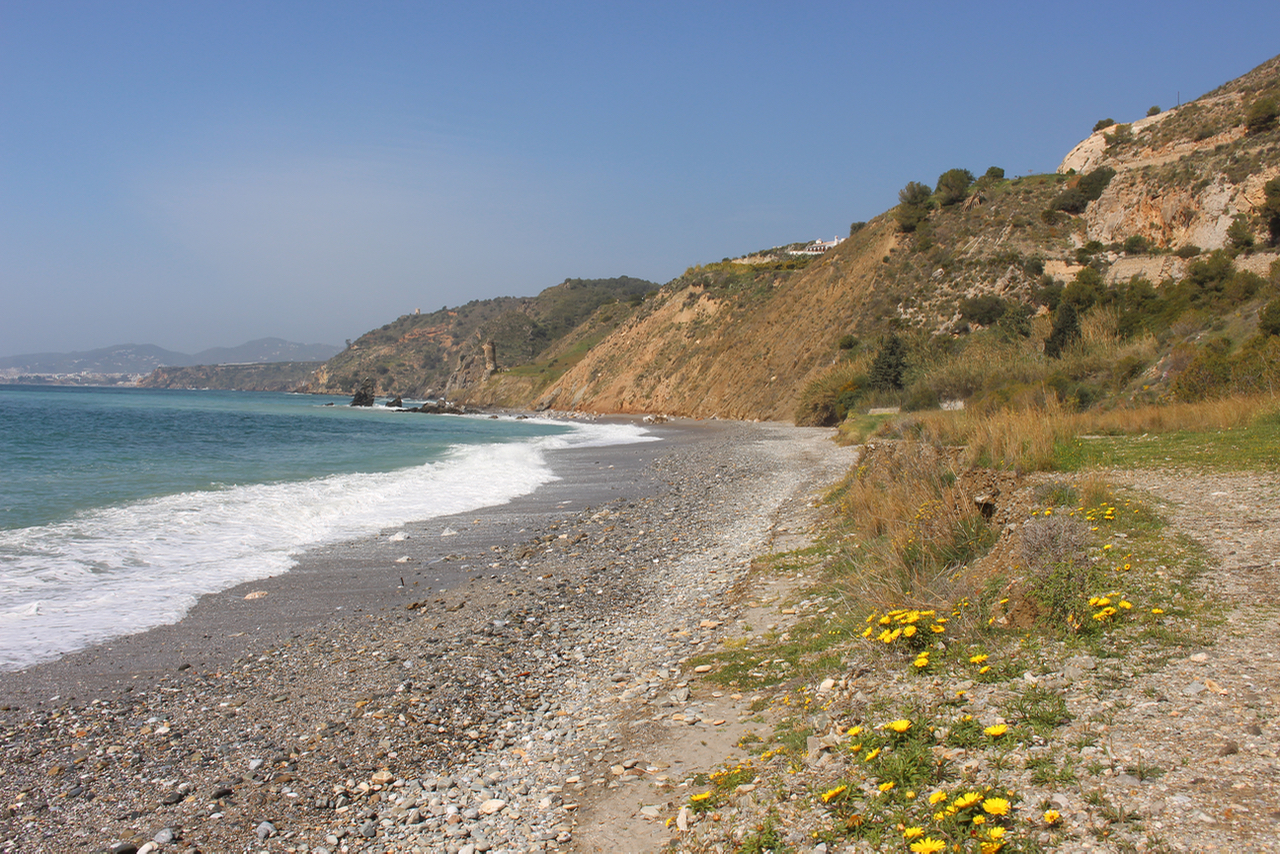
(980, 815)
(1102, 513)
(1109, 607)
(905, 626)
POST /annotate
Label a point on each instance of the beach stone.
(265, 829)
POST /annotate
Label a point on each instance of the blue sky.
(197, 174)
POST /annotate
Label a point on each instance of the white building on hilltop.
(817, 247)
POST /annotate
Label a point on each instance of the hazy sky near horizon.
(200, 174)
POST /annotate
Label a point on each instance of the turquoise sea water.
(120, 507)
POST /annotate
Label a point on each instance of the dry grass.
(1036, 438)
(908, 525)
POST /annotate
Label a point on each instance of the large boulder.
(364, 394)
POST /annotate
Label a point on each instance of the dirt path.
(1210, 719)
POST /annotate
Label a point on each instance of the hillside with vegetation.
(266, 376)
(1144, 267)
(443, 353)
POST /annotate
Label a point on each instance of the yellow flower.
(996, 806)
(968, 799)
(831, 794)
(702, 796)
(978, 659)
(913, 832)
(984, 668)
(884, 787)
(1126, 604)
(937, 796)
(1157, 611)
(991, 847)
(867, 632)
(997, 730)
(996, 832)
(921, 662)
(899, 726)
(855, 730)
(979, 819)
(928, 845)
(1052, 816)
(937, 628)
(909, 795)
(909, 631)
(872, 755)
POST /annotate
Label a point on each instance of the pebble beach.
(451, 685)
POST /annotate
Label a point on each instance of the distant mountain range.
(144, 358)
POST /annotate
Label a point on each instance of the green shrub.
(1261, 116)
(953, 186)
(1208, 375)
(1102, 124)
(1271, 209)
(1122, 135)
(1239, 234)
(1269, 319)
(913, 206)
(1049, 294)
(1071, 201)
(984, 310)
(1085, 291)
(1092, 184)
(847, 342)
(1153, 111)
(1137, 245)
(995, 173)
(921, 396)
(915, 193)
(1190, 250)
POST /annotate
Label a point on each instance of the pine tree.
(889, 365)
(1066, 328)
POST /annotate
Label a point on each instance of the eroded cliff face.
(1183, 175)
(699, 350)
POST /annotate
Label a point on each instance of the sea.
(120, 507)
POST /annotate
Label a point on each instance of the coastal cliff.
(749, 338)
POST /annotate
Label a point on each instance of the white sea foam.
(119, 570)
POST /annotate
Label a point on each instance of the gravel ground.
(469, 707)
